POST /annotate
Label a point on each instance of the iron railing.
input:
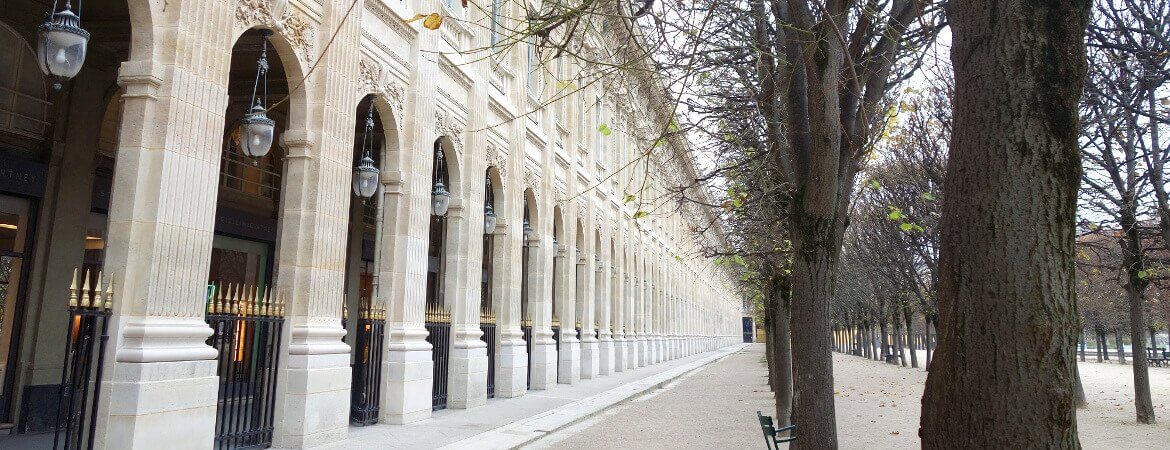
(488, 326)
(367, 367)
(246, 325)
(556, 329)
(438, 323)
(81, 374)
(526, 333)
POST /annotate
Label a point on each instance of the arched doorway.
(489, 310)
(54, 196)
(438, 308)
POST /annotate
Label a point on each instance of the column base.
(406, 376)
(569, 366)
(604, 355)
(313, 406)
(511, 366)
(153, 402)
(590, 359)
(467, 372)
(544, 363)
(619, 354)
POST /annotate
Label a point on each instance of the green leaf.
(629, 198)
(895, 215)
(605, 130)
(906, 226)
(640, 214)
(739, 260)
(928, 196)
(562, 85)
(1142, 274)
(677, 258)
(673, 126)
(874, 184)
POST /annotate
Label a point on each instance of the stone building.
(262, 287)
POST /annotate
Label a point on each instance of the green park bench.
(772, 434)
(1157, 356)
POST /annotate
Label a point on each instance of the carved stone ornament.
(445, 125)
(531, 182)
(496, 158)
(374, 80)
(298, 30)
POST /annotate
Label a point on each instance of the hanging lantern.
(440, 196)
(528, 231)
(61, 44)
(257, 131)
(365, 175)
(489, 211)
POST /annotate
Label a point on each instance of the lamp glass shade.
(256, 132)
(440, 199)
(365, 178)
(61, 45)
(489, 219)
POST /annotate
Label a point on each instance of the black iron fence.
(488, 325)
(526, 333)
(367, 367)
(246, 324)
(81, 374)
(556, 329)
(438, 323)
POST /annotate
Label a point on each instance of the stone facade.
(637, 281)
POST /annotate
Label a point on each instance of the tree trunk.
(929, 342)
(886, 347)
(1104, 348)
(781, 293)
(1082, 346)
(769, 346)
(898, 344)
(873, 344)
(1079, 389)
(1006, 304)
(1142, 402)
(909, 316)
(813, 408)
(1120, 348)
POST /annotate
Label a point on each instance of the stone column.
(511, 353)
(161, 379)
(617, 316)
(406, 365)
(467, 369)
(601, 300)
(314, 381)
(543, 372)
(569, 356)
(590, 357)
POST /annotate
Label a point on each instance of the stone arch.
(294, 72)
(452, 170)
(23, 76)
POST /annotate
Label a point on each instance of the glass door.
(15, 236)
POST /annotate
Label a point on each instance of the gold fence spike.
(99, 292)
(267, 311)
(233, 300)
(252, 301)
(109, 303)
(85, 291)
(73, 290)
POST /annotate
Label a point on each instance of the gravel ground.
(711, 408)
(877, 407)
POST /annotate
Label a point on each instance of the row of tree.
(965, 212)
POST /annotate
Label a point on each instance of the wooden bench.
(772, 434)
(1156, 356)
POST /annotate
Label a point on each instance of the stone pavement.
(711, 408)
(509, 423)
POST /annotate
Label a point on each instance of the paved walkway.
(711, 408)
(508, 423)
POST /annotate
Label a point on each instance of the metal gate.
(81, 375)
(556, 329)
(439, 336)
(367, 367)
(488, 325)
(246, 324)
(526, 332)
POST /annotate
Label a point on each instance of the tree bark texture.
(781, 295)
(1003, 375)
(909, 316)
